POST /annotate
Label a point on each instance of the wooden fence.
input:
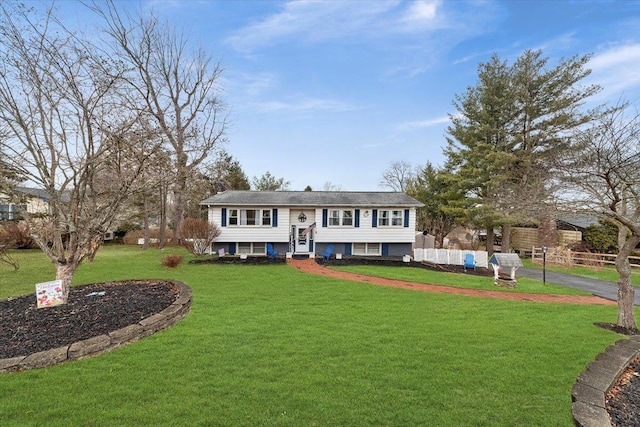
(569, 258)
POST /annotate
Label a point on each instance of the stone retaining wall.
(589, 391)
(104, 343)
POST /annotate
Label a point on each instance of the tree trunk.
(162, 236)
(490, 238)
(505, 248)
(548, 232)
(145, 222)
(178, 213)
(626, 292)
(65, 272)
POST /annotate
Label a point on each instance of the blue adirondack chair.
(469, 262)
(271, 253)
(327, 253)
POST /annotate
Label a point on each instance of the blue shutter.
(232, 248)
(274, 219)
(347, 248)
(385, 249)
(406, 217)
(325, 217)
(374, 218)
(224, 217)
(357, 220)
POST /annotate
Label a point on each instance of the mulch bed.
(26, 329)
(623, 401)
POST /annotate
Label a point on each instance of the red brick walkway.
(312, 267)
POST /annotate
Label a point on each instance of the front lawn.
(271, 346)
(421, 275)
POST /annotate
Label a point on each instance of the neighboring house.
(34, 201)
(307, 222)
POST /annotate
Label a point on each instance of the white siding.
(255, 233)
(366, 233)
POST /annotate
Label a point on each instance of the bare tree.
(398, 176)
(603, 172)
(198, 235)
(177, 85)
(329, 186)
(64, 131)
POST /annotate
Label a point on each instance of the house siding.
(393, 240)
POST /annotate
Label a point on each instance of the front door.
(302, 240)
(302, 229)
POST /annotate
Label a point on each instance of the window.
(366, 249)
(250, 217)
(252, 248)
(11, 211)
(396, 218)
(266, 217)
(334, 218)
(339, 218)
(233, 216)
(390, 218)
(347, 218)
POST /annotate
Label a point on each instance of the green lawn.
(271, 346)
(420, 275)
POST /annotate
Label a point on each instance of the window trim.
(236, 217)
(331, 218)
(368, 246)
(390, 216)
(252, 248)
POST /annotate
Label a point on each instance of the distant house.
(307, 222)
(32, 200)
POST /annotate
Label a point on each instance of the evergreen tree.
(507, 131)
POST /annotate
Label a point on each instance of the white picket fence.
(450, 256)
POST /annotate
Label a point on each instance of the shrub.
(198, 235)
(172, 261)
(16, 235)
(603, 237)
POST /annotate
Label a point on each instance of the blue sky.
(331, 91)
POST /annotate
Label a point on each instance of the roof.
(579, 220)
(505, 260)
(312, 198)
(35, 192)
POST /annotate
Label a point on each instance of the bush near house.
(15, 235)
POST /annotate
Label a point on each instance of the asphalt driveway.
(600, 288)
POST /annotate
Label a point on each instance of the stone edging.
(589, 391)
(105, 343)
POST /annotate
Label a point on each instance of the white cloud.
(305, 105)
(421, 12)
(616, 69)
(311, 20)
(420, 124)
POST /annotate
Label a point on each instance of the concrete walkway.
(600, 288)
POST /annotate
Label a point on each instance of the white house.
(32, 201)
(307, 222)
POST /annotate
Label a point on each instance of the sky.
(332, 92)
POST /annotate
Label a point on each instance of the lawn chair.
(469, 262)
(271, 253)
(327, 253)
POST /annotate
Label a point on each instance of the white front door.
(302, 230)
(302, 240)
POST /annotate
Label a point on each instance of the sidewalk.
(600, 288)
